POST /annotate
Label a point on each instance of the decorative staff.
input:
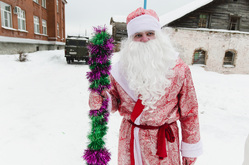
(145, 4)
(101, 48)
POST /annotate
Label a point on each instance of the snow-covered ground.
(44, 112)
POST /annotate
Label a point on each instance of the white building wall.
(215, 43)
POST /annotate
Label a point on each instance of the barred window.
(6, 15)
(44, 27)
(229, 58)
(199, 57)
(21, 20)
(36, 25)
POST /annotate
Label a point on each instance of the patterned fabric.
(188, 161)
(179, 103)
(141, 11)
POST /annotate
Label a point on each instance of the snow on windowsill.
(41, 34)
(8, 28)
(25, 31)
(202, 65)
(228, 66)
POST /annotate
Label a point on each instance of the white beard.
(147, 67)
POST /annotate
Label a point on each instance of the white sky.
(82, 15)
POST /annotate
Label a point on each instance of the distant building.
(212, 33)
(119, 30)
(31, 25)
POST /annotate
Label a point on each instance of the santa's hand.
(95, 101)
(188, 161)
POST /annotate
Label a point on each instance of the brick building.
(31, 25)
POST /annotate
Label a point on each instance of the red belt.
(164, 132)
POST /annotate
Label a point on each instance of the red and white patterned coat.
(179, 103)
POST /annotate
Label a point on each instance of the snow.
(212, 30)
(44, 112)
(119, 18)
(179, 12)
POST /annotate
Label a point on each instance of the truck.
(76, 49)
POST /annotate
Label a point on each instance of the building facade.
(31, 25)
(214, 35)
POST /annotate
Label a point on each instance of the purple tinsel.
(99, 157)
(98, 77)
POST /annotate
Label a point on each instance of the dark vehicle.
(76, 49)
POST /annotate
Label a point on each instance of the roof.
(179, 12)
(118, 18)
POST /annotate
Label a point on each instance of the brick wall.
(32, 9)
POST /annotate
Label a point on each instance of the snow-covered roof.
(179, 12)
(118, 18)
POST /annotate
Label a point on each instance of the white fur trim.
(117, 75)
(246, 153)
(191, 150)
(142, 23)
(109, 107)
(137, 151)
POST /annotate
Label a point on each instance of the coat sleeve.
(188, 107)
(113, 96)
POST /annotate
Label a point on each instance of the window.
(36, 25)
(199, 57)
(6, 15)
(62, 34)
(21, 20)
(44, 27)
(203, 21)
(57, 5)
(58, 30)
(36, 1)
(229, 58)
(44, 3)
(234, 23)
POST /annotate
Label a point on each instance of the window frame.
(6, 15)
(58, 30)
(21, 17)
(44, 27)
(201, 20)
(57, 5)
(36, 1)
(44, 3)
(237, 24)
(229, 62)
(36, 25)
(194, 59)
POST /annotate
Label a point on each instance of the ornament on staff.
(101, 48)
